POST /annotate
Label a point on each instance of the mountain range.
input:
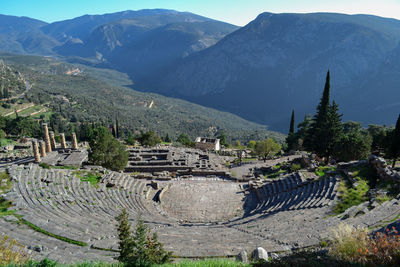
(260, 71)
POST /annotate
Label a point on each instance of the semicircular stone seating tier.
(193, 218)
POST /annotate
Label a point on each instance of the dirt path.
(19, 110)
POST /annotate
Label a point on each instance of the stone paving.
(193, 217)
(203, 201)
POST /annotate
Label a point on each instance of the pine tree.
(139, 248)
(125, 243)
(334, 128)
(140, 240)
(395, 144)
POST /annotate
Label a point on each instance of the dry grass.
(358, 246)
(11, 252)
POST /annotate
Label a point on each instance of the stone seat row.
(285, 184)
(58, 250)
(67, 200)
(41, 207)
(310, 195)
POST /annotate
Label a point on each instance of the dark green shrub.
(139, 248)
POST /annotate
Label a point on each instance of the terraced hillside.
(74, 220)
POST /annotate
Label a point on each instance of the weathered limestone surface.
(66, 157)
(195, 217)
(201, 201)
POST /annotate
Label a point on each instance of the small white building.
(207, 143)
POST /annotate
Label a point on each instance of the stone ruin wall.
(383, 170)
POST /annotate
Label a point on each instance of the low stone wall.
(382, 169)
(205, 173)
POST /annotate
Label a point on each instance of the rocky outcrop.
(383, 170)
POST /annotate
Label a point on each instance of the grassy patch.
(4, 187)
(390, 187)
(275, 174)
(62, 238)
(92, 177)
(383, 198)
(351, 196)
(237, 161)
(5, 141)
(249, 159)
(4, 207)
(322, 170)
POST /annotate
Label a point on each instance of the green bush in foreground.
(139, 248)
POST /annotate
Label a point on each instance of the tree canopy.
(149, 138)
(184, 139)
(267, 148)
(394, 148)
(107, 151)
(139, 248)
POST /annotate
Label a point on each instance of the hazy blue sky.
(238, 12)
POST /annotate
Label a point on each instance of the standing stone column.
(46, 137)
(42, 149)
(52, 140)
(74, 141)
(36, 151)
(63, 144)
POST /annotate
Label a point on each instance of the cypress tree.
(6, 93)
(2, 90)
(317, 138)
(117, 128)
(290, 139)
(395, 144)
(323, 106)
(291, 129)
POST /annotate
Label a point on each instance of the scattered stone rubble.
(168, 162)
